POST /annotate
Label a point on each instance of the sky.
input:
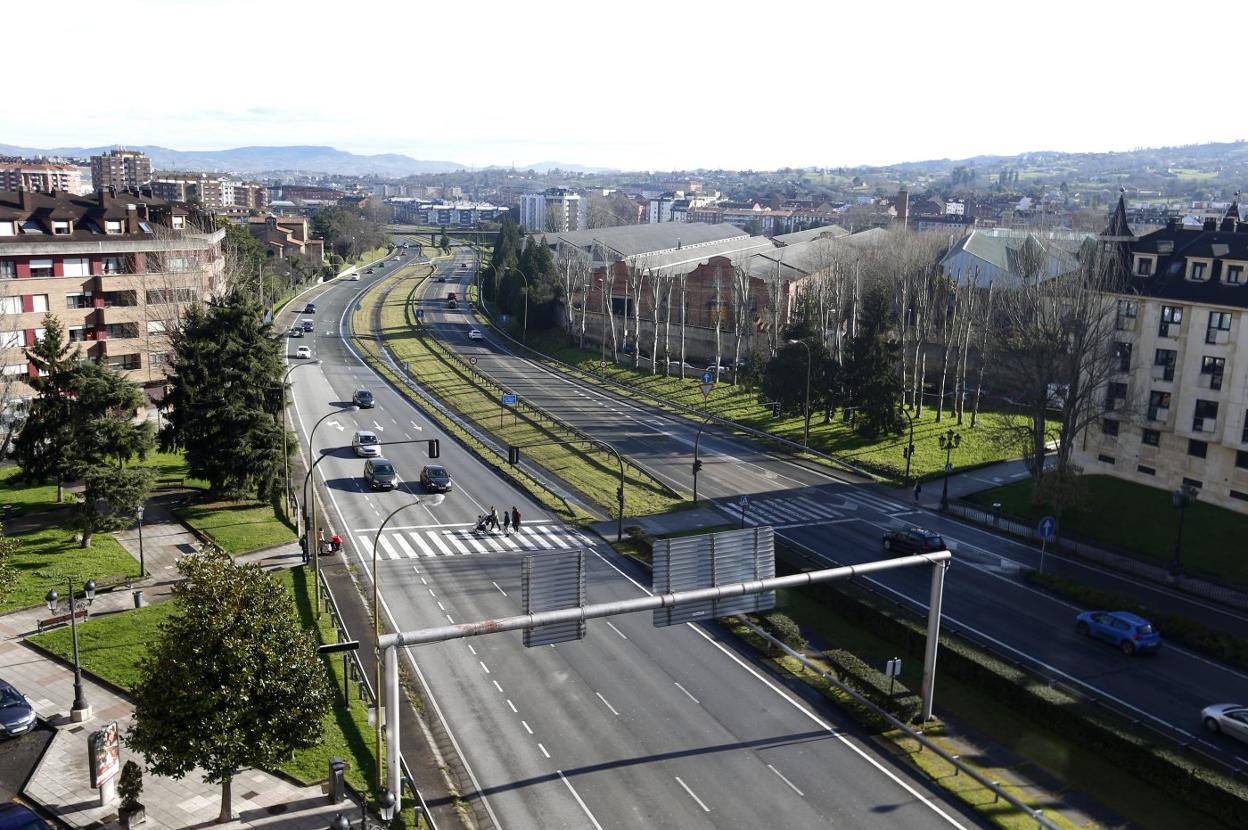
(636, 85)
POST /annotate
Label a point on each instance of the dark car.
(296, 332)
(1129, 632)
(309, 325)
(310, 308)
(379, 474)
(435, 479)
(363, 399)
(17, 716)
(17, 817)
(913, 540)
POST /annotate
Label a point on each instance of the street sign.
(948, 468)
(359, 307)
(745, 501)
(472, 361)
(602, 364)
(707, 377)
(893, 667)
(706, 389)
(420, 314)
(509, 400)
(1047, 527)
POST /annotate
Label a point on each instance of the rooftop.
(638, 240)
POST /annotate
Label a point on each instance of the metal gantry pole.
(392, 727)
(934, 601)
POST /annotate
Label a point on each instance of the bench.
(60, 619)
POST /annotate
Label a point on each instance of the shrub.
(785, 630)
(874, 685)
(130, 785)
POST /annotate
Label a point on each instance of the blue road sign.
(1047, 527)
(707, 377)
(509, 400)
(420, 314)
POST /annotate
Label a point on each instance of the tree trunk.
(945, 325)
(227, 802)
(684, 307)
(667, 330)
(983, 351)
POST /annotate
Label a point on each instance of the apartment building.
(121, 170)
(216, 193)
(409, 210)
(39, 176)
(284, 236)
(1176, 409)
(555, 210)
(116, 268)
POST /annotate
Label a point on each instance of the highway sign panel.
(509, 400)
(552, 581)
(1047, 527)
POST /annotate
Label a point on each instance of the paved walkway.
(60, 783)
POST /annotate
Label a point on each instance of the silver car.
(366, 444)
(1227, 718)
(17, 716)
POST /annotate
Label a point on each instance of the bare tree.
(574, 268)
(741, 283)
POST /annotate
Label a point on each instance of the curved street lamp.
(311, 504)
(809, 360)
(524, 337)
(81, 710)
(285, 448)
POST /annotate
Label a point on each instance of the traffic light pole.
(697, 462)
(513, 458)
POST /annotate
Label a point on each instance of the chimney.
(903, 207)
(25, 199)
(132, 218)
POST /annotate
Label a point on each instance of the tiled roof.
(88, 213)
(1174, 245)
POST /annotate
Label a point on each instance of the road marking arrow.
(417, 426)
(336, 425)
(379, 427)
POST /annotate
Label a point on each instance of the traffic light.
(697, 465)
(619, 494)
(513, 455)
(434, 449)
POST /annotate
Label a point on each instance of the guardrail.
(1098, 553)
(364, 689)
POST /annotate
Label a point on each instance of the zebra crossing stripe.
(442, 546)
(799, 510)
(366, 544)
(476, 543)
(449, 539)
(385, 543)
(554, 537)
(407, 549)
(421, 544)
(821, 510)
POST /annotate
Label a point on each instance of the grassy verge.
(596, 475)
(1140, 520)
(47, 557)
(237, 527)
(23, 498)
(882, 456)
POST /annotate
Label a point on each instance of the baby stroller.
(483, 525)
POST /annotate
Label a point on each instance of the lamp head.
(385, 805)
(51, 599)
(339, 822)
(89, 590)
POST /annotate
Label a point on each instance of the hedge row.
(875, 686)
(1198, 637)
(1166, 769)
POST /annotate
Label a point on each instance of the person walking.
(515, 519)
(918, 489)
(493, 518)
(506, 523)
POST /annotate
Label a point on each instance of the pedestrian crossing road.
(459, 540)
(803, 507)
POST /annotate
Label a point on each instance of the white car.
(303, 351)
(354, 277)
(475, 334)
(1227, 718)
(366, 444)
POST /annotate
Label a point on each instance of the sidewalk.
(961, 484)
(60, 782)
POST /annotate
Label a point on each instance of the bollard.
(337, 780)
(138, 599)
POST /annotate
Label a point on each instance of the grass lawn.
(594, 474)
(47, 557)
(881, 456)
(111, 647)
(1069, 763)
(25, 498)
(237, 527)
(1137, 519)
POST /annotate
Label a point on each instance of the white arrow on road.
(336, 425)
(380, 428)
(417, 426)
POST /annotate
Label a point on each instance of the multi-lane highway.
(841, 521)
(634, 726)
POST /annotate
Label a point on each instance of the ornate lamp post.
(948, 442)
(1181, 498)
(81, 709)
(806, 427)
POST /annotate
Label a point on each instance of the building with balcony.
(554, 210)
(121, 170)
(286, 236)
(1176, 407)
(40, 176)
(117, 269)
(216, 193)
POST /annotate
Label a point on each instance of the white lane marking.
(606, 704)
(554, 537)
(470, 648)
(616, 630)
(504, 593)
(484, 666)
(441, 607)
(415, 537)
(526, 726)
(543, 749)
(449, 620)
(407, 549)
(378, 427)
(686, 691)
(336, 425)
(693, 795)
(513, 706)
(423, 581)
(577, 796)
(792, 786)
(431, 593)
(496, 686)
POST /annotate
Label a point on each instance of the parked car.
(17, 716)
(310, 308)
(17, 817)
(363, 399)
(303, 352)
(365, 444)
(435, 479)
(913, 540)
(1227, 718)
(297, 331)
(379, 474)
(309, 325)
(475, 334)
(1127, 631)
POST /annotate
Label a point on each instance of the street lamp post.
(909, 450)
(142, 560)
(81, 710)
(285, 448)
(948, 442)
(697, 462)
(602, 296)
(806, 428)
(385, 808)
(311, 504)
(1181, 498)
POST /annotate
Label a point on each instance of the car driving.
(303, 352)
(1131, 633)
(475, 334)
(435, 479)
(365, 444)
(363, 399)
(913, 540)
(296, 332)
(1228, 718)
(379, 474)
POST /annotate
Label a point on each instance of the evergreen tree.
(110, 499)
(871, 368)
(234, 681)
(8, 574)
(444, 242)
(225, 399)
(45, 448)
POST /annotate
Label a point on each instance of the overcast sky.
(635, 84)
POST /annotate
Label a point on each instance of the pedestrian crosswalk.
(420, 543)
(801, 507)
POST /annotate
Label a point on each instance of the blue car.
(1127, 631)
(17, 817)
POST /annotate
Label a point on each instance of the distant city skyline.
(665, 87)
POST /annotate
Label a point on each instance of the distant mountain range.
(255, 160)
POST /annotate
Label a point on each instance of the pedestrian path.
(460, 540)
(789, 508)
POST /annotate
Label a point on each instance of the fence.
(1083, 549)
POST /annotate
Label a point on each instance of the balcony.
(1159, 414)
(1163, 373)
(1204, 425)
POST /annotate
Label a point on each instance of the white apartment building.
(554, 210)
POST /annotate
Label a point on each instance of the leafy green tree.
(871, 368)
(225, 398)
(348, 230)
(45, 447)
(8, 574)
(101, 417)
(234, 681)
(111, 498)
(444, 241)
(784, 379)
(505, 256)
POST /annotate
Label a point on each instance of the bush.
(130, 785)
(874, 685)
(785, 630)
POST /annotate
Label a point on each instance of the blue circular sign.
(1047, 527)
(707, 377)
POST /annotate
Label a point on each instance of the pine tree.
(871, 368)
(45, 447)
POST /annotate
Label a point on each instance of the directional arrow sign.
(707, 377)
(336, 425)
(1047, 527)
(420, 314)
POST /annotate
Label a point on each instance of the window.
(8, 269)
(1106, 459)
(83, 300)
(15, 369)
(1239, 494)
(76, 267)
(1234, 273)
(1122, 356)
(41, 267)
(1144, 265)
(177, 222)
(1148, 471)
(155, 327)
(10, 305)
(1158, 406)
(76, 334)
(157, 359)
(113, 226)
(1197, 449)
(8, 228)
(1109, 426)
(1164, 360)
(1114, 392)
(1171, 321)
(179, 263)
(1151, 438)
(1193, 482)
(1219, 327)
(11, 340)
(122, 330)
(124, 362)
(161, 296)
(1204, 416)
(1241, 459)
(1127, 311)
(1244, 436)
(1214, 368)
(39, 302)
(60, 227)
(1197, 270)
(115, 265)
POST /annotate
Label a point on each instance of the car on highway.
(435, 479)
(369, 271)
(309, 325)
(440, 279)
(355, 276)
(365, 444)
(297, 331)
(1129, 632)
(475, 334)
(17, 817)
(913, 540)
(17, 715)
(363, 399)
(1227, 718)
(303, 351)
(310, 308)
(379, 474)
